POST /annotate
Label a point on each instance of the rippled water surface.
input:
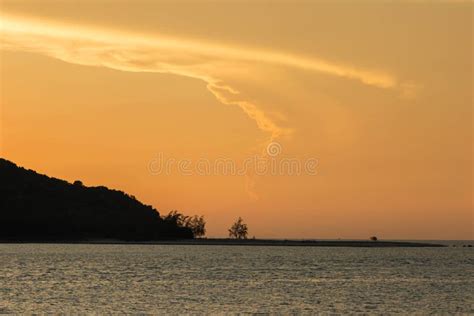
(172, 279)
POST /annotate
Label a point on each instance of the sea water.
(44, 278)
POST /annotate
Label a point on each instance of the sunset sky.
(379, 93)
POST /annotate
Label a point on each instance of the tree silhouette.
(195, 223)
(176, 218)
(239, 230)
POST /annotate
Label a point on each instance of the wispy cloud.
(210, 62)
(163, 54)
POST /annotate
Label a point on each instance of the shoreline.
(241, 242)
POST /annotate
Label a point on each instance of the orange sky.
(380, 95)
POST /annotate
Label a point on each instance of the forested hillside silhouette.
(35, 207)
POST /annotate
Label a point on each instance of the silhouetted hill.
(35, 207)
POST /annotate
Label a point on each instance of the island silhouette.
(38, 208)
(35, 207)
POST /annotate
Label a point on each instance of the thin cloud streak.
(81, 33)
(137, 53)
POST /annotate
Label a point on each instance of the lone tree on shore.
(239, 230)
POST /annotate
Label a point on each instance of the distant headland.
(38, 208)
(35, 207)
